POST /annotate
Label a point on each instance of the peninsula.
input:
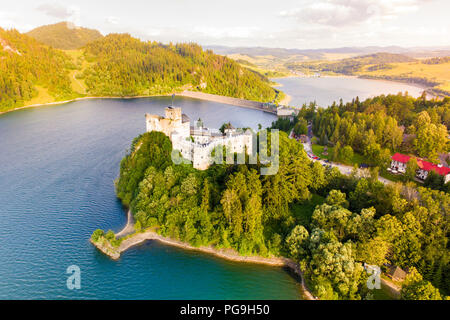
(300, 217)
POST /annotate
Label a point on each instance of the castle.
(196, 143)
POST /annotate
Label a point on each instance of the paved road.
(347, 170)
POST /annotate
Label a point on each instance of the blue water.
(57, 166)
(325, 90)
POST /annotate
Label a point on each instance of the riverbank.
(228, 254)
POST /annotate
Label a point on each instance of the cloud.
(228, 32)
(55, 10)
(70, 13)
(11, 20)
(340, 13)
(112, 20)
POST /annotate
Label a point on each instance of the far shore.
(411, 83)
(243, 103)
(80, 99)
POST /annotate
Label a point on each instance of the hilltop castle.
(196, 143)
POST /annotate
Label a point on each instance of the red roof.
(403, 158)
(424, 165)
(428, 166)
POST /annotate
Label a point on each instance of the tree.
(97, 234)
(337, 198)
(332, 219)
(411, 169)
(110, 235)
(336, 151)
(301, 127)
(431, 139)
(346, 154)
(296, 242)
(434, 181)
(332, 267)
(373, 251)
(420, 290)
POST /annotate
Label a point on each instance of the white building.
(197, 143)
(400, 162)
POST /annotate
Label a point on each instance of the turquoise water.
(57, 169)
(325, 90)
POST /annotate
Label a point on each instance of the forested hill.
(64, 35)
(26, 65)
(127, 66)
(351, 65)
(117, 65)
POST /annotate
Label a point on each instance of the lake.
(325, 90)
(58, 164)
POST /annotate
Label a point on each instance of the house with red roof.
(400, 161)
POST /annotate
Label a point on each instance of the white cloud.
(230, 32)
(9, 20)
(70, 13)
(112, 20)
(340, 13)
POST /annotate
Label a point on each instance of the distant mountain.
(351, 65)
(64, 35)
(321, 54)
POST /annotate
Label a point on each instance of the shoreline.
(227, 254)
(286, 100)
(56, 103)
(343, 76)
(243, 103)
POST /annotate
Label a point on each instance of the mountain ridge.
(64, 35)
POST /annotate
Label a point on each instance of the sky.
(301, 24)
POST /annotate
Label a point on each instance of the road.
(344, 169)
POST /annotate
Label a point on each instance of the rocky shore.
(228, 254)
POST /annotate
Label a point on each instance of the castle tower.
(173, 114)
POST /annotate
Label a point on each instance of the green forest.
(64, 35)
(118, 65)
(351, 65)
(27, 64)
(378, 127)
(327, 222)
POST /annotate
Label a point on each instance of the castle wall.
(199, 150)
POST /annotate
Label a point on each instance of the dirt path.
(129, 227)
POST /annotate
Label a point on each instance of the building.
(396, 273)
(196, 143)
(285, 112)
(400, 161)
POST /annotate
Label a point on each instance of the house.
(396, 273)
(400, 161)
(285, 112)
(425, 167)
(196, 143)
